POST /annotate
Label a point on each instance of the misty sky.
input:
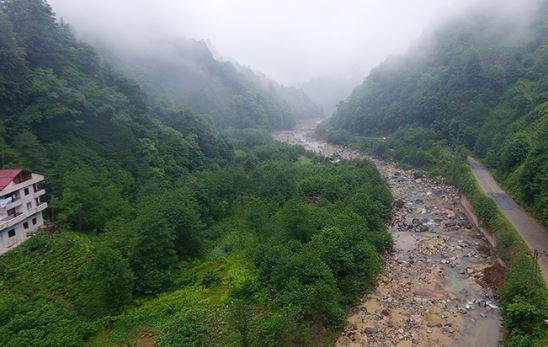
(290, 40)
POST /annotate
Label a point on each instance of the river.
(431, 291)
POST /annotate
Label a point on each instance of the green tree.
(521, 315)
(155, 255)
(297, 276)
(296, 221)
(516, 151)
(110, 275)
(37, 32)
(90, 199)
(38, 323)
(31, 153)
(181, 210)
(13, 71)
(190, 327)
(354, 262)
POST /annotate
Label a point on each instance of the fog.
(291, 41)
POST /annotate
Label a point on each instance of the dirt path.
(534, 233)
(430, 291)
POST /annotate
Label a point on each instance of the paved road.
(534, 233)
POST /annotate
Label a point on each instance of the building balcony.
(14, 204)
(25, 184)
(10, 221)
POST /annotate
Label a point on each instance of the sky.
(292, 41)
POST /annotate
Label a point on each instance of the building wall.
(25, 204)
(21, 234)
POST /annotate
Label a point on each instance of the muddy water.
(428, 293)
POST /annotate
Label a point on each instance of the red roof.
(6, 176)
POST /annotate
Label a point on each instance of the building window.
(11, 233)
(34, 221)
(26, 225)
(35, 186)
(29, 205)
(26, 191)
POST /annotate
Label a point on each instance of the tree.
(155, 255)
(296, 221)
(296, 276)
(90, 199)
(37, 31)
(13, 71)
(31, 153)
(190, 327)
(354, 262)
(109, 274)
(516, 151)
(521, 315)
(181, 210)
(38, 323)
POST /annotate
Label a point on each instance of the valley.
(433, 289)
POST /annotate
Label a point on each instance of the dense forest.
(166, 229)
(187, 72)
(480, 82)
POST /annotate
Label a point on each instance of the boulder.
(370, 331)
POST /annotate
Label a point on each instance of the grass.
(152, 314)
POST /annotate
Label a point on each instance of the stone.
(370, 331)
(433, 325)
(423, 228)
(405, 287)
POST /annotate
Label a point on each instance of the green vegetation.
(278, 250)
(169, 230)
(475, 86)
(234, 96)
(524, 296)
(480, 82)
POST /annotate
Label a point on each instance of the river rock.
(370, 330)
(414, 283)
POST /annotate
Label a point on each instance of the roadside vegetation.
(524, 296)
(476, 85)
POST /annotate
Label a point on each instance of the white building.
(20, 206)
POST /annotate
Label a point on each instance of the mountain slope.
(164, 228)
(186, 71)
(64, 110)
(481, 82)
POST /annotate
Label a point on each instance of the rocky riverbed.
(432, 290)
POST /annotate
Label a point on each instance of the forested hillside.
(480, 82)
(186, 71)
(66, 113)
(167, 231)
